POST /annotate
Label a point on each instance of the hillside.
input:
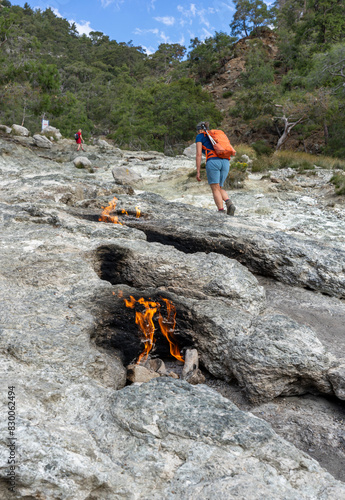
(281, 86)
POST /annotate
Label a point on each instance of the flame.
(167, 328)
(106, 217)
(146, 325)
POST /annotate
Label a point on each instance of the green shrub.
(338, 180)
(339, 166)
(227, 94)
(244, 149)
(262, 164)
(305, 166)
(261, 148)
(237, 175)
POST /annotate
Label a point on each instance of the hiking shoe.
(230, 208)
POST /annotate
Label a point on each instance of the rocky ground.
(260, 296)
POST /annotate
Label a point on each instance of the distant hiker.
(217, 167)
(79, 139)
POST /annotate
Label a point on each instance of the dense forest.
(142, 101)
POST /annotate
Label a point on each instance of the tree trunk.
(325, 131)
(287, 130)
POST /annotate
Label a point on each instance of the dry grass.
(338, 180)
(301, 162)
(244, 149)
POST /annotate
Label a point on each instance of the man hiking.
(217, 168)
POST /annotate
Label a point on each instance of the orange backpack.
(221, 144)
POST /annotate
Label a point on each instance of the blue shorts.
(217, 170)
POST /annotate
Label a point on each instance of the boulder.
(52, 132)
(126, 176)
(197, 275)
(138, 373)
(5, 129)
(19, 130)
(103, 144)
(337, 379)
(82, 162)
(190, 151)
(42, 142)
(294, 260)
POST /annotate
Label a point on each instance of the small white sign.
(45, 123)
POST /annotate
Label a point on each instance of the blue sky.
(146, 22)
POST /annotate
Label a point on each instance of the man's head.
(202, 126)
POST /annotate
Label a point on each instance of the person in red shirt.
(80, 140)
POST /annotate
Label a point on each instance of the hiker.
(79, 140)
(217, 169)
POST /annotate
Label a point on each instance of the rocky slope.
(223, 84)
(248, 294)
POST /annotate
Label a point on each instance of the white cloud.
(151, 5)
(164, 37)
(203, 19)
(139, 31)
(228, 6)
(206, 34)
(83, 27)
(106, 3)
(187, 13)
(56, 12)
(159, 34)
(167, 20)
(117, 3)
(148, 50)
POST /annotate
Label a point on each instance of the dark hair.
(202, 126)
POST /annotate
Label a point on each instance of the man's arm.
(198, 157)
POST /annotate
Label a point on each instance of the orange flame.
(146, 325)
(168, 327)
(106, 217)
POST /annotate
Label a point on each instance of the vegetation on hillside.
(105, 87)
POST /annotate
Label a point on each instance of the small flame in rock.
(106, 217)
(146, 325)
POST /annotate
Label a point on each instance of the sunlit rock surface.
(80, 433)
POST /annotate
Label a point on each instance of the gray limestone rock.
(42, 142)
(289, 259)
(82, 162)
(269, 355)
(52, 132)
(81, 433)
(190, 151)
(144, 265)
(19, 130)
(126, 176)
(103, 144)
(138, 373)
(337, 378)
(5, 129)
(212, 448)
